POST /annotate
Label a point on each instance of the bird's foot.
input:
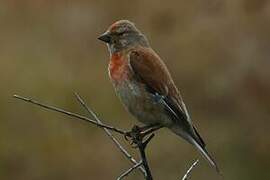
(134, 136)
(137, 134)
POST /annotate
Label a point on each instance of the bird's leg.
(150, 129)
(146, 127)
(137, 136)
(138, 133)
(143, 131)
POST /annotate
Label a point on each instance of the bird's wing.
(151, 71)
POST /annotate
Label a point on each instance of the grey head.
(122, 35)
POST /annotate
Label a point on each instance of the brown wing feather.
(151, 70)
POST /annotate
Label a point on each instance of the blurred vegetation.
(218, 53)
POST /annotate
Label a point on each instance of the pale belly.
(141, 103)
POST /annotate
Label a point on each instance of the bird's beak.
(105, 37)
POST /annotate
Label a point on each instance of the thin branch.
(129, 170)
(53, 108)
(142, 146)
(185, 177)
(116, 142)
(137, 138)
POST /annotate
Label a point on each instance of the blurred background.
(217, 51)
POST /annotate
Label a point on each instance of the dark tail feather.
(206, 155)
(201, 142)
(195, 139)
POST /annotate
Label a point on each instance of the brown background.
(218, 53)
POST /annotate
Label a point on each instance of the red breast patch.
(118, 67)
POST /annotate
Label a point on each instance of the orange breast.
(118, 67)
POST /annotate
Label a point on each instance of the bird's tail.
(205, 154)
(195, 139)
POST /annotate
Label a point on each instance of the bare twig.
(53, 108)
(137, 138)
(185, 177)
(146, 171)
(142, 146)
(116, 142)
(136, 135)
(129, 170)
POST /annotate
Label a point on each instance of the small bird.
(145, 86)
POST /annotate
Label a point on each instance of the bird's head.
(122, 35)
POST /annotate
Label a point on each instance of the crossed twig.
(136, 135)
